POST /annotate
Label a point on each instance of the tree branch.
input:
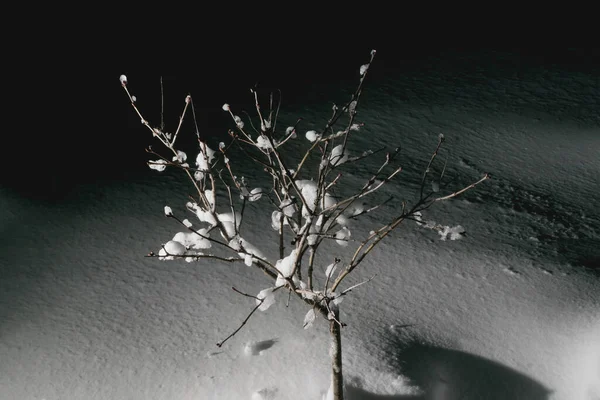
(219, 344)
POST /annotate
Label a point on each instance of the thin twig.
(357, 285)
(219, 344)
(471, 186)
(371, 209)
(162, 105)
(433, 156)
(188, 99)
(335, 263)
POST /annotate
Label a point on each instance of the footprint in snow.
(264, 394)
(256, 348)
(511, 271)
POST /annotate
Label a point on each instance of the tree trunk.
(337, 379)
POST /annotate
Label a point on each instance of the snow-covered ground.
(510, 311)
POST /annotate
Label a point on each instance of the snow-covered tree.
(301, 203)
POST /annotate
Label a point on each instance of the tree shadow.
(444, 374)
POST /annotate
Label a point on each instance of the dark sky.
(76, 124)
(71, 120)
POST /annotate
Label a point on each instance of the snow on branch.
(297, 197)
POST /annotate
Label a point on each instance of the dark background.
(70, 122)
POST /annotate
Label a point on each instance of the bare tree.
(305, 212)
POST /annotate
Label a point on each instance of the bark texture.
(335, 331)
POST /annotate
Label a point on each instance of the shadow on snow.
(444, 374)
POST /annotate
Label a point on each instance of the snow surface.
(509, 311)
